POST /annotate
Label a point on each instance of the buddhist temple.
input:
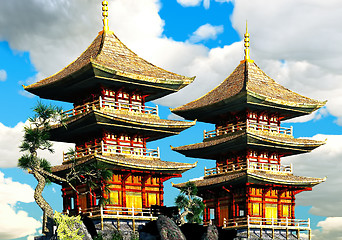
(249, 191)
(109, 85)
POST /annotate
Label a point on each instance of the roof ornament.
(247, 43)
(105, 15)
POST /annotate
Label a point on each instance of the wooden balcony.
(116, 213)
(109, 149)
(248, 125)
(110, 105)
(258, 223)
(266, 222)
(221, 169)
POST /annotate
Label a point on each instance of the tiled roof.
(209, 143)
(145, 119)
(121, 161)
(248, 77)
(281, 139)
(109, 53)
(288, 179)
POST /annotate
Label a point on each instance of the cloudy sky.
(296, 42)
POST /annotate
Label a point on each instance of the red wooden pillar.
(293, 204)
(205, 212)
(217, 211)
(161, 192)
(123, 188)
(65, 201)
(248, 198)
(233, 206)
(263, 203)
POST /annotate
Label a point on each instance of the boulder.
(168, 229)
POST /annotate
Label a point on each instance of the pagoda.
(249, 190)
(110, 124)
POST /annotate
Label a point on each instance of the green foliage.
(68, 227)
(191, 205)
(117, 236)
(195, 216)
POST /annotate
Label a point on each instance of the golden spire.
(105, 15)
(247, 43)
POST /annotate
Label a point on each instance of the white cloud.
(325, 161)
(289, 42)
(292, 43)
(206, 32)
(10, 140)
(189, 3)
(3, 75)
(15, 224)
(331, 228)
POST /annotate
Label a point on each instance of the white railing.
(270, 167)
(224, 130)
(103, 149)
(221, 169)
(249, 125)
(104, 104)
(118, 212)
(270, 128)
(269, 222)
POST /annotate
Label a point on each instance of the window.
(256, 209)
(286, 211)
(212, 213)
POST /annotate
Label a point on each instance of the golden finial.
(247, 43)
(105, 15)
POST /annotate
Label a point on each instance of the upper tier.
(108, 62)
(248, 87)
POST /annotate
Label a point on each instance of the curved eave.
(99, 65)
(153, 86)
(148, 165)
(117, 162)
(289, 109)
(282, 142)
(256, 177)
(248, 100)
(209, 113)
(214, 147)
(303, 182)
(95, 120)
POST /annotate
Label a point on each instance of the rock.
(211, 233)
(168, 229)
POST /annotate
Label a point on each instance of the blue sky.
(297, 43)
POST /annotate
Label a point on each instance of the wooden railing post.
(100, 102)
(101, 213)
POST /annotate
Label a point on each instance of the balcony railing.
(106, 149)
(221, 169)
(249, 125)
(267, 222)
(270, 167)
(224, 130)
(224, 169)
(110, 105)
(113, 212)
(270, 128)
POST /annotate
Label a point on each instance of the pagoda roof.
(93, 121)
(117, 162)
(248, 87)
(108, 62)
(254, 176)
(211, 148)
